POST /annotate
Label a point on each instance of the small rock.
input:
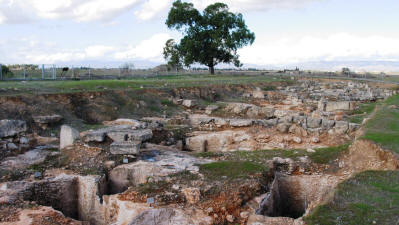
(297, 140)
(244, 215)
(188, 103)
(230, 218)
(179, 145)
(12, 146)
(109, 164)
(211, 108)
(283, 127)
(310, 150)
(192, 195)
(24, 140)
(209, 210)
(315, 140)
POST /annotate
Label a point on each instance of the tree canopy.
(209, 38)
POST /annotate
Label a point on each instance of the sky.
(288, 32)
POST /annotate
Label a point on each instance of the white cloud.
(150, 49)
(22, 11)
(30, 50)
(341, 46)
(153, 8)
(98, 51)
(255, 5)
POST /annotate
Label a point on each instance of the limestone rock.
(160, 165)
(130, 135)
(168, 216)
(188, 103)
(258, 94)
(68, 136)
(283, 127)
(125, 148)
(192, 195)
(131, 122)
(241, 122)
(46, 120)
(9, 128)
(313, 122)
(297, 140)
(211, 108)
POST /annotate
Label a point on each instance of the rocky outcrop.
(45, 121)
(156, 167)
(169, 216)
(9, 128)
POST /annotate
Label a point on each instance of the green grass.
(230, 169)
(364, 110)
(383, 128)
(13, 87)
(368, 198)
(321, 156)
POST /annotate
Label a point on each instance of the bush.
(6, 72)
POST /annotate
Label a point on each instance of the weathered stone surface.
(211, 108)
(241, 122)
(339, 106)
(341, 127)
(297, 130)
(125, 148)
(168, 216)
(220, 141)
(41, 215)
(130, 122)
(313, 122)
(12, 146)
(68, 136)
(188, 103)
(10, 128)
(192, 195)
(130, 135)
(161, 164)
(258, 94)
(49, 119)
(25, 160)
(283, 127)
(327, 124)
(93, 136)
(238, 108)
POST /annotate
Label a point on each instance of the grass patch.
(364, 110)
(326, 155)
(370, 197)
(383, 128)
(13, 87)
(230, 170)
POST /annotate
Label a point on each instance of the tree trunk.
(212, 69)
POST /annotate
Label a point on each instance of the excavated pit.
(294, 196)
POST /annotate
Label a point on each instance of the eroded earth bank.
(265, 153)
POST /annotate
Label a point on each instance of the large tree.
(209, 38)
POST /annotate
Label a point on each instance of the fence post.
(54, 72)
(73, 73)
(1, 73)
(89, 73)
(43, 71)
(24, 72)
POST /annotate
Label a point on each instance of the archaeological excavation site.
(282, 151)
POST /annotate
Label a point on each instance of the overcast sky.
(287, 31)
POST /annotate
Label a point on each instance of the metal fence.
(52, 72)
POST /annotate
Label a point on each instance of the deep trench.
(283, 200)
